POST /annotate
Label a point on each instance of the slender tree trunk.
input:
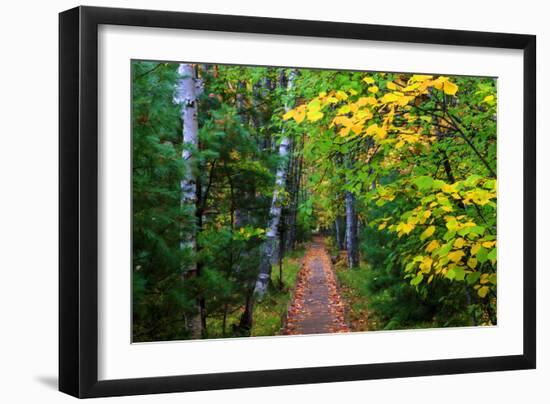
(242, 216)
(351, 223)
(351, 231)
(269, 246)
(186, 95)
(337, 233)
(296, 174)
(245, 323)
(241, 212)
(340, 227)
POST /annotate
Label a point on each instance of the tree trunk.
(186, 95)
(269, 246)
(351, 231)
(340, 227)
(296, 174)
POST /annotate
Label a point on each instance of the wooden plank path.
(316, 307)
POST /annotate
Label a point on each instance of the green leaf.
(417, 279)
(424, 182)
(472, 277)
(472, 180)
(444, 250)
(477, 230)
(449, 235)
(482, 255)
(459, 273)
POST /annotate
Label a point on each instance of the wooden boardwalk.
(317, 307)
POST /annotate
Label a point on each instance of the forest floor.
(317, 306)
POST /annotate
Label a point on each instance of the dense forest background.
(236, 168)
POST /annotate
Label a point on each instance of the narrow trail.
(317, 307)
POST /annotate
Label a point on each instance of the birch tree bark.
(270, 244)
(186, 95)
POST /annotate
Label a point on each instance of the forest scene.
(272, 201)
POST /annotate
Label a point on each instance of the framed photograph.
(251, 201)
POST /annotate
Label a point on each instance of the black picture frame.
(78, 201)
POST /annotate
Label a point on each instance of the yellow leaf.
(372, 130)
(438, 83)
(456, 256)
(361, 102)
(314, 105)
(404, 100)
(344, 131)
(472, 263)
(368, 80)
(399, 144)
(408, 227)
(289, 115)
(450, 88)
(405, 228)
(432, 246)
(489, 98)
(391, 85)
(426, 264)
(482, 291)
(389, 97)
(357, 128)
(451, 224)
(475, 249)
(345, 109)
(412, 87)
(488, 244)
(341, 95)
(459, 243)
(381, 226)
(314, 116)
(373, 89)
(419, 77)
(427, 233)
(380, 134)
(364, 114)
(449, 189)
(300, 114)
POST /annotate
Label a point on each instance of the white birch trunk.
(186, 95)
(270, 244)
